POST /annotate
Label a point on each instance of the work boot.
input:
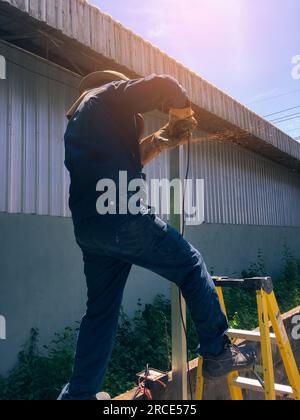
(65, 396)
(233, 358)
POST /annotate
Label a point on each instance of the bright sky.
(244, 47)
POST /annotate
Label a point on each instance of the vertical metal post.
(179, 354)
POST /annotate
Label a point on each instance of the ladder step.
(254, 385)
(249, 335)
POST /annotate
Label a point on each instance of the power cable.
(168, 356)
(296, 114)
(293, 129)
(180, 294)
(285, 119)
(274, 97)
(280, 112)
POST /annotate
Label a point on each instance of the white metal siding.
(33, 103)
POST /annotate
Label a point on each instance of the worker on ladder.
(105, 137)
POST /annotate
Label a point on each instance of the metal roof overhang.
(81, 38)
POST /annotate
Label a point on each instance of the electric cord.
(168, 355)
(183, 233)
(141, 387)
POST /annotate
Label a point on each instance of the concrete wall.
(229, 249)
(41, 271)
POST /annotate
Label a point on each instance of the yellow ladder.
(268, 311)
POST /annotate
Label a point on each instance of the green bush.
(287, 286)
(40, 375)
(241, 304)
(145, 339)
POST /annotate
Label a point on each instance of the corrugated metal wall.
(33, 103)
(241, 187)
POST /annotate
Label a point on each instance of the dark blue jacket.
(102, 137)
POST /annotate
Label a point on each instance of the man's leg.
(146, 241)
(163, 250)
(106, 278)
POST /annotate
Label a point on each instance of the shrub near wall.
(40, 374)
(241, 304)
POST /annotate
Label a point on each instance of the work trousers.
(109, 251)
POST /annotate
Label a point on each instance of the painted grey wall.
(41, 271)
(230, 249)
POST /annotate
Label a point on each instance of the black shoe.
(233, 358)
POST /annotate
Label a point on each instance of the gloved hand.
(176, 133)
(163, 138)
(181, 121)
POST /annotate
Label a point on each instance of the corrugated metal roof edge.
(178, 63)
(289, 142)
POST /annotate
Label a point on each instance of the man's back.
(102, 137)
(101, 140)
